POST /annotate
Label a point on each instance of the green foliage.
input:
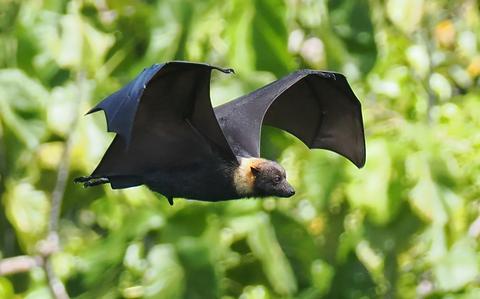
(405, 226)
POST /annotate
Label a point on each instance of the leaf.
(297, 244)
(372, 260)
(426, 201)
(63, 106)
(322, 276)
(164, 276)
(350, 37)
(369, 191)
(417, 57)
(6, 289)
(22, 106)
(405, 14)
(459, 267)
(199, 269)
(270, 37)
(265, 247)
(255, 292)
(38, 293)
(27, 210)
(10, 11)
(265, 47)
(440, 86)
(238, 35)
(107, 254)
(79, 45)
(426, 197)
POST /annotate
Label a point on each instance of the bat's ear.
(255, 170)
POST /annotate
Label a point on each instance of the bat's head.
(270, 179)
(261, 177)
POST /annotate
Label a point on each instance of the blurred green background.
(407, 225)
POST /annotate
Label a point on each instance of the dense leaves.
(405, 226)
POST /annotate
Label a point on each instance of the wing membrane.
(317, 107)
(163, 119)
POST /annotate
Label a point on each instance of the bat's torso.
(208, 181)
(223, 180)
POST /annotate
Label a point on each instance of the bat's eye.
(277, 179)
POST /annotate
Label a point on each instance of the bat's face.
(270, 180)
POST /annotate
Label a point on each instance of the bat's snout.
(286, 190)
(290, 191)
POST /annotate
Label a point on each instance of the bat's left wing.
(318, 107)
(164, 120)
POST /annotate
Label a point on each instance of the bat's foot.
(82, 179)
(170, 200)
(95, 182)
(88, 181)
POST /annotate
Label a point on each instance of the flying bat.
(171, 139)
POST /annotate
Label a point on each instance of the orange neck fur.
(243, 177)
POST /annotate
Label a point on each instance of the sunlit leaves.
(27, 210)
(199, 269)
(406, 15)
(441, 86)
(63, 108)
(322, 274)
(270, 37)
(6, 288)
(265, 47)
(370, 191)
(373, 261)
(426, 201)
(22, 106)
(264, 245)
(351, 21)
(239, 36)
(79, 45)
(458, 267)
(164, 277)
(417, 56)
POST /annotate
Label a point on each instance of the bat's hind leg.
(95, 182)
(89, 181)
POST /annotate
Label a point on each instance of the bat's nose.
(291, 191)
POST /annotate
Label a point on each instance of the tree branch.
(52, 243)
(18, 264)
(62, 175)
(56, 285)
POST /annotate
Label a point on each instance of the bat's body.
(171, 139)
(212, 181)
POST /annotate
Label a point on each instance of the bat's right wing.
(318, 107)
(163, 119)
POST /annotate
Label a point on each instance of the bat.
(171, 139)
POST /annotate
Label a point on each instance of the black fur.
(216, 183)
